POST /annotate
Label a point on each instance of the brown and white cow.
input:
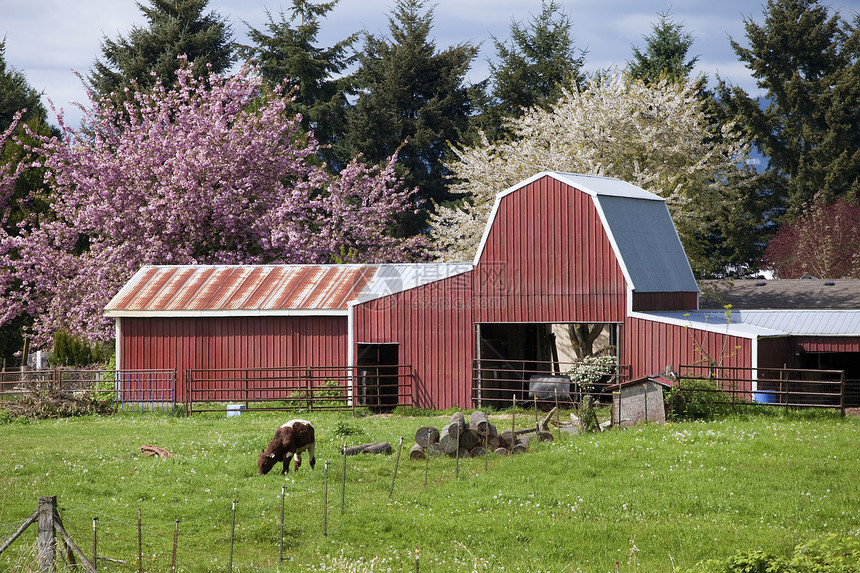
(292, 438)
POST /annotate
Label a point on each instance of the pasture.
(646, 499)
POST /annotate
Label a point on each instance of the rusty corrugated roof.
(263, 289)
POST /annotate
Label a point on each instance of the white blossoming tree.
(655, 136)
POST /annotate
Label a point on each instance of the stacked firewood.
(476, 438)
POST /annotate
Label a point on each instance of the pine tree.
(413, 98)
(534, 66)
(286, 51)
(176, 28)
(665, 53)
(808, 64)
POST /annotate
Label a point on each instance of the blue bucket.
(234, 409)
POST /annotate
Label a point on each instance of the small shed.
(640, 400)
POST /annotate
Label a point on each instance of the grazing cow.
(294, 437)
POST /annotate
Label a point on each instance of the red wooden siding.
(547, 259)
(776, 353)
(434, 329)
(649, 346)
(246, 342)
(828, 344)
(645, 301)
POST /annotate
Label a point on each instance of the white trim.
(716, 328)
(117, 329)
(225, 313)
(350, 354)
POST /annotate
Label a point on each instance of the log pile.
(476, 438)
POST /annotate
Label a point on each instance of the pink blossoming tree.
(212, 171)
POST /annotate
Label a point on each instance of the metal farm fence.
(782, 387)
(500, 383)
(128, 390)
(379, 387)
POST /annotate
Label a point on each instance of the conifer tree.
(665, 53)
(411, 97)
(287, 50)
(538, 61)
(175, 28)
(807, 62)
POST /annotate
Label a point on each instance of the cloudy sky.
(48, 39)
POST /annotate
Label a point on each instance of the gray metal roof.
(765, 323)
(647, 244)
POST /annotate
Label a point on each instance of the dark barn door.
(378, 381)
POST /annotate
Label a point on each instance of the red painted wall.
(546, 259)
(649, 346)
(232, 342)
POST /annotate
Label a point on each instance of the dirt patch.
(852, 412)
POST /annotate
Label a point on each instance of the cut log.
(479, 422)
(426, 436)
(545, 436)
(417, 452)
(502, 451)
(458, 424)
(493, 442)
(448, 441)
(434, 449)
(470, 439)
(370, 448)
(507, 439)
(464, 453)
(478, 452)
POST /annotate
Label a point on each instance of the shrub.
(71, 350)
(696, 399)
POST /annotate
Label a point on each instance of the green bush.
(71, 350)
(696, 399)
(829, 554)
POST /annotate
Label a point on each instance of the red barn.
(558, 249)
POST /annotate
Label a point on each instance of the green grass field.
(647, 499)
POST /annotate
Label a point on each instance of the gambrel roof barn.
(558, 249)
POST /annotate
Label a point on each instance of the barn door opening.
(522, 361)
(378, 380)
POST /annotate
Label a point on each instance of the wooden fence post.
(47, 539)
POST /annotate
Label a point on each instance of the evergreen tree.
(665, 53)
(412, 97)
(176, 27)
(21, 195)
(288, 51)
(537, 63)
(808, 64)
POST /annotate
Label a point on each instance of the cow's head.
(266, 462)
